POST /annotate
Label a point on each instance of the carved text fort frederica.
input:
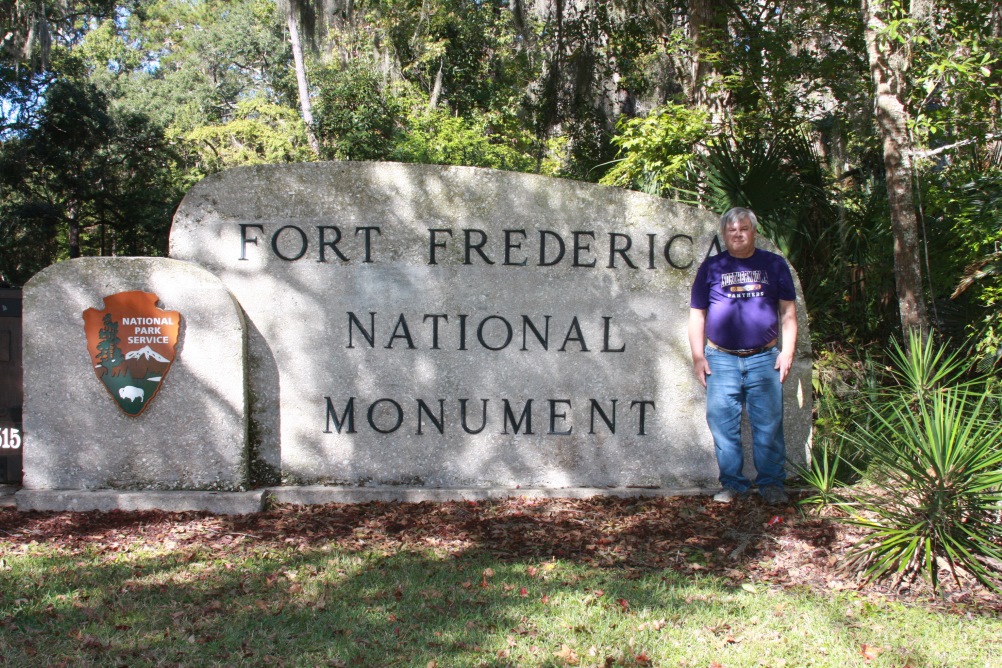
(513, 248)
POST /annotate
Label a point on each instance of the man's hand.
(697, 330)
(783, 363)
(702, 369)
(788, 323)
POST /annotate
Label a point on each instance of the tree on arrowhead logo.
(132, 344)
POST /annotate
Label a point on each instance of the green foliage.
(472, 48)
(118, 195)
(957, 80)
(856, 299)
(354, 120)
(965, 212)
(934, 447)
(781, 179)
(260, 133)
(437, 137)
(593, 91)
(654, 151)
(588, 148)
(198, 61)
(923, 368)
(844, 384)
(28, 235)
(105, 47)
(824, 474)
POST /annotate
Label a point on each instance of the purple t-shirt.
(741, 297)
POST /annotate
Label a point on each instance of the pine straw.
(745, 541)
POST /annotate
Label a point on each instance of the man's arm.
(697, 340)
(788, 323)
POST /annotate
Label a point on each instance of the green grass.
(325, 606)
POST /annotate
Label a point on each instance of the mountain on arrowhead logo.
(132, 344)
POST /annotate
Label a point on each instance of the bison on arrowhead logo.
(132, 345)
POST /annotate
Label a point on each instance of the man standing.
(743, 304)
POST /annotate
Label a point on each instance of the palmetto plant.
(934, 447)
(781, 178)
(825, 475)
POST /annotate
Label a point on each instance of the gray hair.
(736, 214)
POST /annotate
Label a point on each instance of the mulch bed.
(743, 542)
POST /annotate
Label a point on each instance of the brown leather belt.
(743, 353)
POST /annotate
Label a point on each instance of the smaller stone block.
(309, 495)
(192, 436)
(106, 500)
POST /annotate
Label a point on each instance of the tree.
(107, 348)
(294, 9)
(889, 59)
(85, 179)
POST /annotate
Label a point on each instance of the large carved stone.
(459, 327)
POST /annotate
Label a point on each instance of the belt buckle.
(737, 353)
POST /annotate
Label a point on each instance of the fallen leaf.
(870, 652)
(567, 655)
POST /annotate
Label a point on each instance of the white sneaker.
(726, 495)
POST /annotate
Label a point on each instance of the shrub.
(654, 151)
(843, 387)
(436, 137)
(934, 446)
(354, 120)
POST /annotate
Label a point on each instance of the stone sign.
(459, 327)
(194, 437)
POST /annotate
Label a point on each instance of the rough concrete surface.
(451, 327)
(105, 500)
(192, 436)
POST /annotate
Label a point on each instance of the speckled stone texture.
(384, 299)
(193, 435)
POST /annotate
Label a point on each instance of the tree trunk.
(888, 65)
(304, 89)
(73, 231)
(707, 24)
(437, 88)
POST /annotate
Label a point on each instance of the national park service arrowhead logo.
(132, 345)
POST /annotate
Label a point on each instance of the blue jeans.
(750, 383)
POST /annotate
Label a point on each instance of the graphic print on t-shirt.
(744, 284)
